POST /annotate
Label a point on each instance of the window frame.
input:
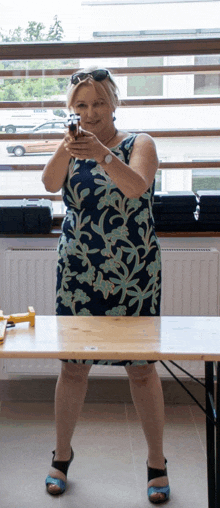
(116, 49)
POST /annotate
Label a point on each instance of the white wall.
(106, 18)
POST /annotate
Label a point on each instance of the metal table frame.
(212, 412)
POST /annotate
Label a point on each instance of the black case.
(209, 210)
(26, 216)
(175, 211)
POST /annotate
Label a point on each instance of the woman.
(109, 258)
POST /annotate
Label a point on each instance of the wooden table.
(133, 338)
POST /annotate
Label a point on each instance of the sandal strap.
(159, 490)
(62, 465)
(156, 473)
(56, 481)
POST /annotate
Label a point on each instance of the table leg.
(218, 437)
(210, 433)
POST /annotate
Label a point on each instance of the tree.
(34, 88)
(13, 35)
(34, 31)
(12, 92)
(55, 31)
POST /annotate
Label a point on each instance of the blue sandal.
(157, 473)
(62, 466)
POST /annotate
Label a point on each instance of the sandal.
(157, 473)
(63, 467)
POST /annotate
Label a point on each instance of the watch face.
(108, 158)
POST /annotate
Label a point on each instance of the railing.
(104, 49)
(113, 49)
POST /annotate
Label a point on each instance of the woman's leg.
(70, 394)
(147, 395)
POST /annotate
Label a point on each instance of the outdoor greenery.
(34, 88)
(34, 32)
(206, 183)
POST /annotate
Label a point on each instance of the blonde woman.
(109, 258)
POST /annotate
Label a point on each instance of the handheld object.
(74, 126)
(15, 318)
(3, 324)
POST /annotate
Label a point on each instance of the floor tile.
(185, 454)
(110, 457)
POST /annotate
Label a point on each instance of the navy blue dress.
(109, 255)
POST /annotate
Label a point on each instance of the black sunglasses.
(97, 75)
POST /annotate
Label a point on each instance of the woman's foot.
(57, 477)
(158, 484)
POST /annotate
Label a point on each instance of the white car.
(19, 148)
(23, 119)
(50, 127)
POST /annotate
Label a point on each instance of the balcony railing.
(114, 49)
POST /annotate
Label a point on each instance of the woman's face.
(94, 110)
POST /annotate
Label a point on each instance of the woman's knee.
(76, 372)
(141, 373)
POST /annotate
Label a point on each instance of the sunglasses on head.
(97, 75)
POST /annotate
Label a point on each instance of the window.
(155, 101)
(145, 85)
(207, 84)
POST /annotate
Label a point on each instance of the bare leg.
(147, 395)
(69, 398)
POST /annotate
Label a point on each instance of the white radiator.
(189, 287)
(189, 281)
(30, 279)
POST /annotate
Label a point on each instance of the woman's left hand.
(86, 146)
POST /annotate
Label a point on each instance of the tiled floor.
(109, 468)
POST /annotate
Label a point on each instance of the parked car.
(19, 148)
(50, 127)
(14, 120)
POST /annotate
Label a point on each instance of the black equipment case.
(25, 216)
(209, 210)
(175, 211)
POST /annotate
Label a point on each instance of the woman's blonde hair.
(106, 88)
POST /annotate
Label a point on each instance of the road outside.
(20, 182)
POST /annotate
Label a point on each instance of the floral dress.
(109, 256)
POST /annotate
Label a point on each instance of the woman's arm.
(55, 171)
(136, 178)
(133, 179)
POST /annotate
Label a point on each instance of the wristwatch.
(108, 158)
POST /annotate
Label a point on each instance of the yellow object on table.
(15, 318)
(3, 324)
